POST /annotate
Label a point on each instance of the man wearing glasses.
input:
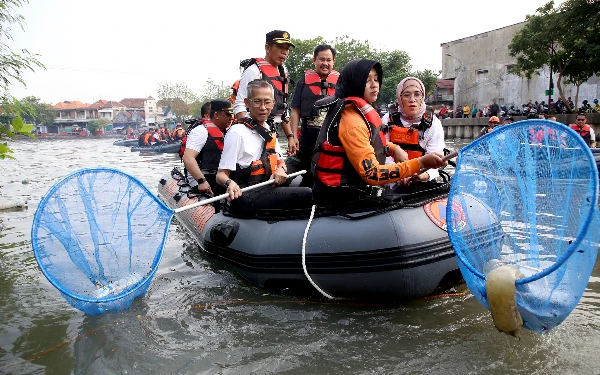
(252, 154)
(271, 69)
(203, 147)
(584, 130)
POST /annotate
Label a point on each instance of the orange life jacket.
(278, 79)
(260, 170)
(147, 139)
(178, 134)
(583, 132)
(408, 139)
(313, 91)
(330, 162)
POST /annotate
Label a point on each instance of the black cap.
(221, 105)
(279, 37)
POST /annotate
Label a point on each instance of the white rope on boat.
(312, 215)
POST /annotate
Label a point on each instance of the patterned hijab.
(403, 85)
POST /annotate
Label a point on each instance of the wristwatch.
(291, 135)
(201, 180)
(226, 183)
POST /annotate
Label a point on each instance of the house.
(70, 114)
(442, 94)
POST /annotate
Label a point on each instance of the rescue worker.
(492, 122)
(414, 127)
(584, 130)
(148, 136)
(252, 154)
(203, 147)
(351, 150)
(315, 85)
(234, 88)
(178, 132)
(271, 69)
(205, 113)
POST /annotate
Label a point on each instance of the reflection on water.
(198, 317)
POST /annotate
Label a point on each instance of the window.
(481, 71)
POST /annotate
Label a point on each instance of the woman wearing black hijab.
(351, 150)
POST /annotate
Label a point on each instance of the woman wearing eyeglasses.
(351, 148)
(414, 128)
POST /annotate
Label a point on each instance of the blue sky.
(117, 49)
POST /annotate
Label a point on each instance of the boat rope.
(312, 215)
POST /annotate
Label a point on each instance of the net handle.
(226, 195)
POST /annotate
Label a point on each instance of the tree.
(36, 112)
(212, 90)
(11, 66)
(565, 38)
(179, 97)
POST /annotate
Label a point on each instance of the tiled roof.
(445, 83)
(70, 105)
(133, 102)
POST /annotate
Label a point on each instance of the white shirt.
(155, 138)
(249, 75)
(432, 140)
(243, 146)
(196, 141)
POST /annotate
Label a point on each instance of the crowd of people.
(334, 133)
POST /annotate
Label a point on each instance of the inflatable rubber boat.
(169, 148)
(396, 251)
(126, 142)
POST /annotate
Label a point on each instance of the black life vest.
(277, 77)
(260, 170)
(583, 132)
(209, 157)
(331, 165)
(313, 91)
(194, 123)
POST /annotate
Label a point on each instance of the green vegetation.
(565, 38)
(12, 64)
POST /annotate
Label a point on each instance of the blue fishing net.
(539, 181)
(98, 236)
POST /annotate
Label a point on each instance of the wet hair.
(257, 84)
(205, 109)
(324, 47)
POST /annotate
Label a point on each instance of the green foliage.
(212, 90)
(300, 58)
(32, 110)
(93, 126)
(8, 132)
(12, 64)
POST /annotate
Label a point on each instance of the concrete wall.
(469, 128)
(489, 51)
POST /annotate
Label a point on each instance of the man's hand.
(205, 188)
(433, 160)
(293, 145)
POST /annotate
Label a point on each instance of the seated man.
(252, 154)
(492, 122)
(203, 147)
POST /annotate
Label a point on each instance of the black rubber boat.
(169, 148)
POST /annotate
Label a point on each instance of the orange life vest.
(178, 134)
(332, 167)
(583, 132)
(147, 139)
(408, 139)
(260, 170)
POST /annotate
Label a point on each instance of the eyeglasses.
(417, 95)
(259, 103)
(580, 119)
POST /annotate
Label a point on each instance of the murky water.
(200, 318)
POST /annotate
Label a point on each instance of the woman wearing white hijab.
(410, 94)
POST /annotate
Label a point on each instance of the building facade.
(479, 66)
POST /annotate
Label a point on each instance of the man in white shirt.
(204, 144)
(252, 154)
(271, 68)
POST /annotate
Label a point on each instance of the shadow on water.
(199, 317)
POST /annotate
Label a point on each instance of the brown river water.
(200, 318)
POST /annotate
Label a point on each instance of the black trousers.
(300, 161)
(272, 198)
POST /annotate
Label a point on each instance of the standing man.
(204, 145)
(494, 109)
(271, 69)
(315, 84)
(584, 130)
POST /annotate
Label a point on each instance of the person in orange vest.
(203, 146)
(351, 149)
(271, 69)
(178, 132)
(584, 129)
(252, 154)
(314, 85)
